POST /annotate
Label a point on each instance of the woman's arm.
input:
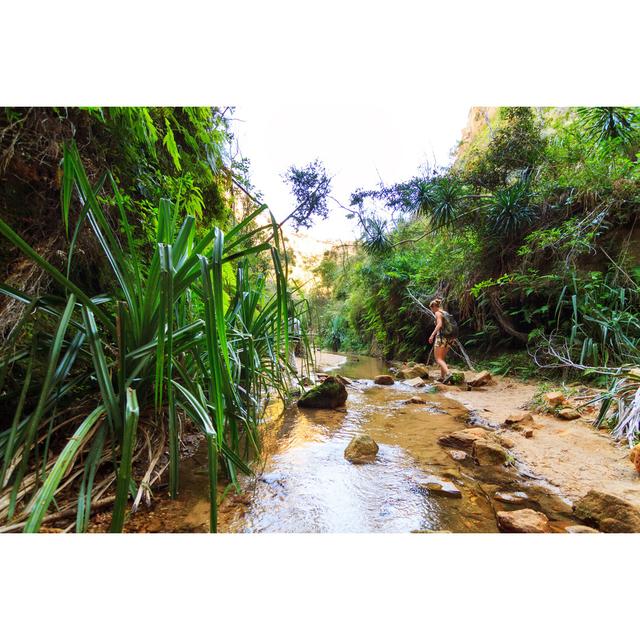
(437, 327)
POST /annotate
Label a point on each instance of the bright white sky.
(359, 144)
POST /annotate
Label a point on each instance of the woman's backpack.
(449, 326)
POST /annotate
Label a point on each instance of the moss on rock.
(328, 395)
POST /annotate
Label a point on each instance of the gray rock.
(362, 448)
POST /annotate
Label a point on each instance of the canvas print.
(214, 321)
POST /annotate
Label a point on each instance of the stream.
(304, 484)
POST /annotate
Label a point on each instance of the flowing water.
(304, 483)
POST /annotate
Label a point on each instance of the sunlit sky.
(359, 144)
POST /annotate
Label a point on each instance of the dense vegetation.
(135, 309)
(530, 236)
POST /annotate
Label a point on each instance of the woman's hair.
(436, 302)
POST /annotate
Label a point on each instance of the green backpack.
(449, 326)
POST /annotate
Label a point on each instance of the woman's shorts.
(441, 341)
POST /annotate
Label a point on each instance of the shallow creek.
(304, 483)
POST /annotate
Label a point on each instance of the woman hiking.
(444, 337)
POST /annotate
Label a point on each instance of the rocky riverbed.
(415, 457)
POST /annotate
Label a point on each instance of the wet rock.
(568, 413)
(580, 528)
(362, 448)
(306, 381)
(487, 453)
(608, 513)
(383, 379)
(635, 457)
(522, 521)
(464, 438)
(413, 371)
(415, 382)
(345, 381)
(328, 395)
(517, 497)
(442, 488)
(457, 455)
(415, 400)
(554, 398)
(482, 379)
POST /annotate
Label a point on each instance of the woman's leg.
(440, 353)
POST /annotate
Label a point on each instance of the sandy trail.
(571, 455)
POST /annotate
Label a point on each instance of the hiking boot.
(447, 379)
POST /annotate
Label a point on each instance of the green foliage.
(136, 357)
(527, 237)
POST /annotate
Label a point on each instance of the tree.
(310, 185)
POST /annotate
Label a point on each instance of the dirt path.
(571, 455)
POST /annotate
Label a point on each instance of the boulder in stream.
(413, 371)
(608, 513)
(482, 379)
(523, 521)
(362, 448)
(487, 453)
(415, 382)
(457, 455)
(415, 400)
(328, 395)
(383, 379)
(464, 438)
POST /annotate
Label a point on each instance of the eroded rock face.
(523, 521)
(464, 438)
(362, 448)
(487, 453)
(608, 512)
(413, 371)
(482, 379)
(458, 455)
(383, 379)
(328, 395)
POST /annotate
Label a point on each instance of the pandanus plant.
(166, 344)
